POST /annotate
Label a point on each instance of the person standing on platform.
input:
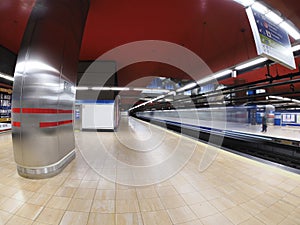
(264, 124)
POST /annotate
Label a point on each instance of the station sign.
(271, 40)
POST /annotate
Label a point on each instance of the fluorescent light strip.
(251, 63)
(245, 3)
(214, 76)
(296, 48)
(274, 17)
(82, 88)
(222, 73)
(290, 30)
(188, 86)
(7, 77)
(257, 6)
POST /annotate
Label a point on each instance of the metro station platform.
(145, 175)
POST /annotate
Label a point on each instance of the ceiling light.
(101, 88)
(274, 17)
(290, 30)
(257, 6)
(222, 73)
(251, 63)
(245, 3)
(186, 87)
(82, 88)
(120, 88)
(296, 48)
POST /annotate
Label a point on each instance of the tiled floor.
(232, 190)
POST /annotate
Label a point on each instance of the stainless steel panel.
(45, 76)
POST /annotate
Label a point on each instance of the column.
(43, 90)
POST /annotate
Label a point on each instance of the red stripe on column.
(65, 122)
(16, 110)
(65, 111)
(16, 124)
(48, 124)
(54, 124)
(39, 110)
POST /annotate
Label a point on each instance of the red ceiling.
(216, 30)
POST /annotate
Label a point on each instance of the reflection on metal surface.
(43, 92)
(47, 171)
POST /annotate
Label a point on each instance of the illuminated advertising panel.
(270, 39)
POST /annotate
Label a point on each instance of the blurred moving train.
(242, 114)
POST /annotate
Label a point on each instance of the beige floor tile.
(127, 206)
(237, 214)
(8, 191)
(148, 192)
(181, 215)
(150, 204)
(66, 192)
(194, 222)
(129, 194)
(129, 219)
(57, 202)
(16, 220)
(88, 184)
(39, 199)
(166, 191)
(282, 208)
(292, 199)
(74, 218)
(295, 217)
(268, 216)
(3, 199)
(203, 209)
(29, 211)
(105, 195)
(39, 223)
(253, 207)
(266, 200)
(238, 197)
(296, 191)
(193, 198)
(4, 217)
(211, 193)
(173, 201)
(85, 193)
(101, 219)
(156, 218)
(289, 221)
(91, 175)
(74, 183)
(103, 206)
(215, 220)
(23, 195)
(80, 205)
(106, 185)
(11, 205)
(50, 216)
(222, 203)
(252, 221)
(48, 189)
(184, 188)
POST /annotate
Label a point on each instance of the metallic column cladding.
(43, 90)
